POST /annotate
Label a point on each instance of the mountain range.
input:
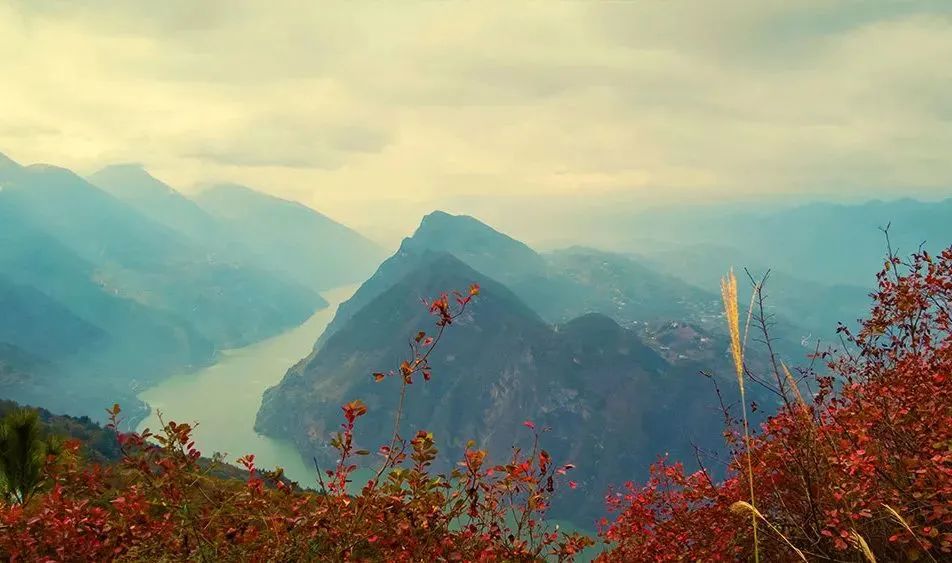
(820, 242)
(558, 285)
(606, 349)
(545, 345)
(113, 287)
(112, 282)
(822, 256)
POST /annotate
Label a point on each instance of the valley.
(114, 282)
(241, 375)
(255, 320)
(523, 282)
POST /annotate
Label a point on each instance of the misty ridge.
(117, 283)
(117, 280)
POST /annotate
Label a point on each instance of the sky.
(378, 112)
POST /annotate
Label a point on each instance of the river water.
(224, 398)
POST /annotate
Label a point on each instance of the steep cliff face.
(604, 393)
(492, 338)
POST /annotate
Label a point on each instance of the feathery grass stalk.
(902, 522)
(793, 384)
(741, 507)
(861, 544)
(750, 314)
(729, 296)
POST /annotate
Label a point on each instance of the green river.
(223, 398)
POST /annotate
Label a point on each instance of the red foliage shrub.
(866, 465)
(161, 503)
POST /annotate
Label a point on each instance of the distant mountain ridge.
(560, 285)
(123, 283)
(132, 184)
(291, 238)
(149, 263)
(565, 284)
(822, 242)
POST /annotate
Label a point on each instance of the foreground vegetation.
(855, 466)
(860, 469)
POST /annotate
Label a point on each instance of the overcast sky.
(377, 112)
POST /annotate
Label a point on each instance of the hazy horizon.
(376, 114)
(548, 225)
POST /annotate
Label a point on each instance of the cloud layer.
(377, 112)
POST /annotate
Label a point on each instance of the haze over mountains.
(559, 285)
(110, 288)
(547, 341)
(543, 342)
(821, 242)
(291, 239)
(115, 282)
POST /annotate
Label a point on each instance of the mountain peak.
(129, 169)
(437, 214)
(438, 217)
(439, 220)
(46, 167)
(58, 176)
(226, 188)
(7, 162)
(475, 243)
(129, 178)
(592, 322)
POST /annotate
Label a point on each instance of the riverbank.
(223, 399)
